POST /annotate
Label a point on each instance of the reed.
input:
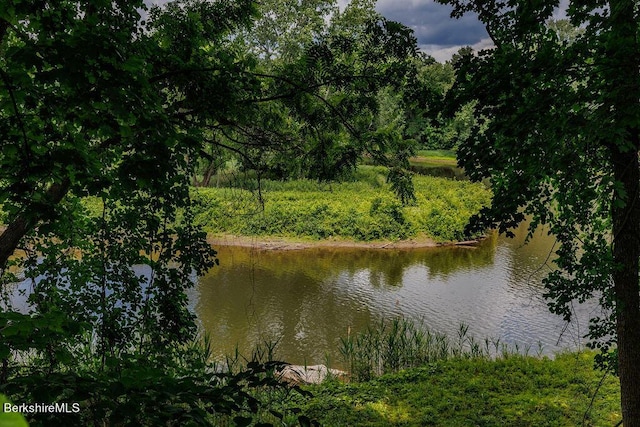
(397, 344)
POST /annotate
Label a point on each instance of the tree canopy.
(89, 99)
(104, 117)
(558, 136)
(321, 73)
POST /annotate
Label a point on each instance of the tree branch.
(301, 88)
(21, 225)
(5, 79)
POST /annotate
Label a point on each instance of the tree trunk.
(208, 173)
(10, 238)
(621, 78)
(626, 252)
(16, 230)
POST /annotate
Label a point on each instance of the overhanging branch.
(24, 222)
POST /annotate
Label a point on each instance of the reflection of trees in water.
(259, 299)
(293, 278)
(385, 267)
(448, 261)
(529, 261)
(451, 172)
(388, 268)
(311, 298)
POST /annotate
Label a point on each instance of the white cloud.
(561, 11)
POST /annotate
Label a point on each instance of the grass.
(364, 209)
(391, 346)
(434, 159)
(450, 154)
(429, 379)
(405, 375)
(513, 391)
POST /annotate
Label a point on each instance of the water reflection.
(308, 299)
(451, 172)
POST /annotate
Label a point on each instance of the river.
(305, 300)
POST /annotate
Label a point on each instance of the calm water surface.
(308, 299)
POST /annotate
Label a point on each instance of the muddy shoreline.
(285, 244)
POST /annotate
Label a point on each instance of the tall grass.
(391, 346)
(438, 380)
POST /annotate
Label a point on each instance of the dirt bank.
(283, 244)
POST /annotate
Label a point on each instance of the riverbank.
(285, 244)
(516, 390)
(362, 210)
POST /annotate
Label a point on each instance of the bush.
(361, 210)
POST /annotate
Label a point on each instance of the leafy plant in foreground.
(91, 104)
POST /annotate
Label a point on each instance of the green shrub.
(362, 210)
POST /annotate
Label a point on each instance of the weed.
(364, 209)
(407, 375)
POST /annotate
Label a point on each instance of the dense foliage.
(93, 102)
(364, 209)
(314, 113)
(336, 85)
(558, 138)
(123, 105)
(99, 104)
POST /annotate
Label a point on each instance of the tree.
(99, 118)
(284, 29)
(89, 98)
(422, 102)
(314, 112)
(564, 30)
(559, 139)
(102, 117)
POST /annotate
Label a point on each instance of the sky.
(438, 34)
